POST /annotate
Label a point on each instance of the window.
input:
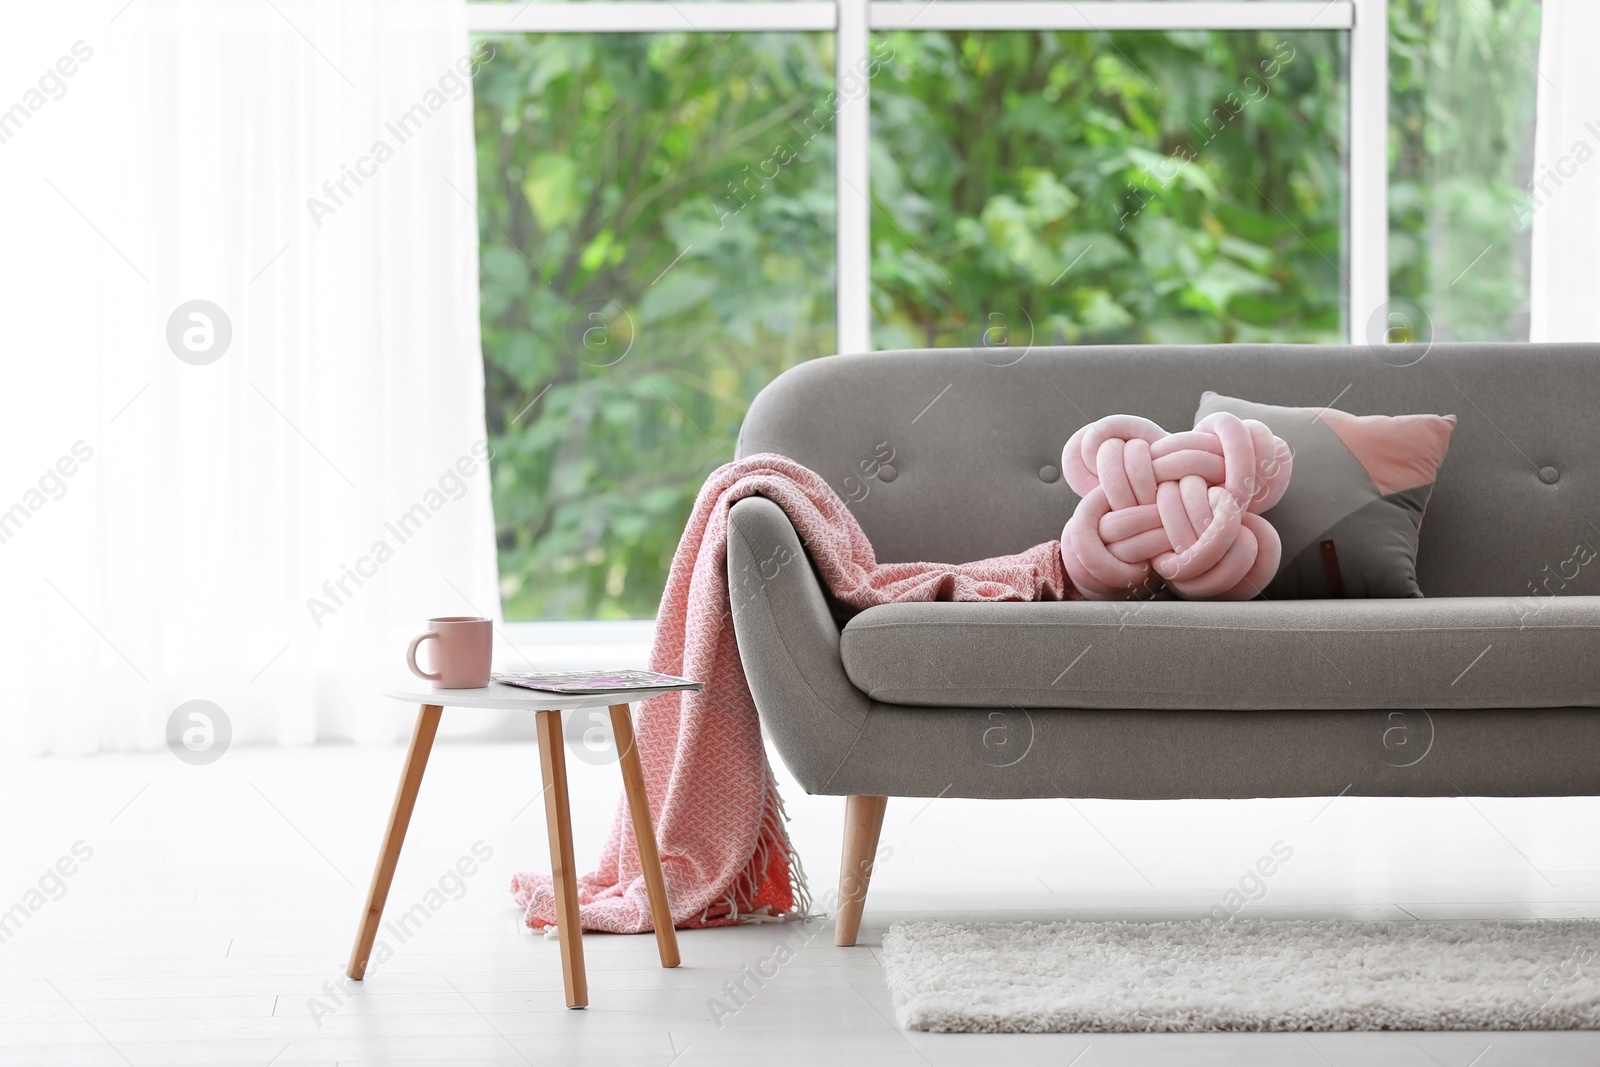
(1064, 187)
(681, 199)
(1463, 87)
(657, 244)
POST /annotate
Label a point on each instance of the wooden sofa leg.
(863, 819)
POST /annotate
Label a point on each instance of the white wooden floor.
(211, 920)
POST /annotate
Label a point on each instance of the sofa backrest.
(953, 454)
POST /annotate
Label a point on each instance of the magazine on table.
(586, 683)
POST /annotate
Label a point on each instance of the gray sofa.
(1485, 688)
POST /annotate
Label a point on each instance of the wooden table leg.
(563, 871)
(405, 798)
(644, 833)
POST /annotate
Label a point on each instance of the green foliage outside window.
(1462, 93)
(1126, 187)
(648, 265)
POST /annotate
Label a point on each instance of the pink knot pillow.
(1182, 509)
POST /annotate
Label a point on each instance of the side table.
(548, 708)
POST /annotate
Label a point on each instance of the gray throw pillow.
(1350, 518)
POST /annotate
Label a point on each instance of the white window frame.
(1366, 268)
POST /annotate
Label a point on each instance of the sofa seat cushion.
(1444, 652)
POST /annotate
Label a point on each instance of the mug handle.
(411, 657)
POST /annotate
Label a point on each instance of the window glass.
(1067, 187)
(1463, 84)
(656, 215)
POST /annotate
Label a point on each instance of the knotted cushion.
(1179, 509)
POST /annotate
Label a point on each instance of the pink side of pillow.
(1398, 452)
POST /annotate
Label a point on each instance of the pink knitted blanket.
(718, 817)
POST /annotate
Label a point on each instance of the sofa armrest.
(789, 643)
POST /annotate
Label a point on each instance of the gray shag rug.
(1117, 977)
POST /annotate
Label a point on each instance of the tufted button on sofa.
(1489, 678)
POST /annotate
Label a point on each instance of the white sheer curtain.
(263, 531)
(1566, 192)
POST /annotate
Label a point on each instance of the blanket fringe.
(739, 905)
(801, 888)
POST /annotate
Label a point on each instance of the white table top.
(511, 697)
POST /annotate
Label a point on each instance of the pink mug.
(462, 648)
